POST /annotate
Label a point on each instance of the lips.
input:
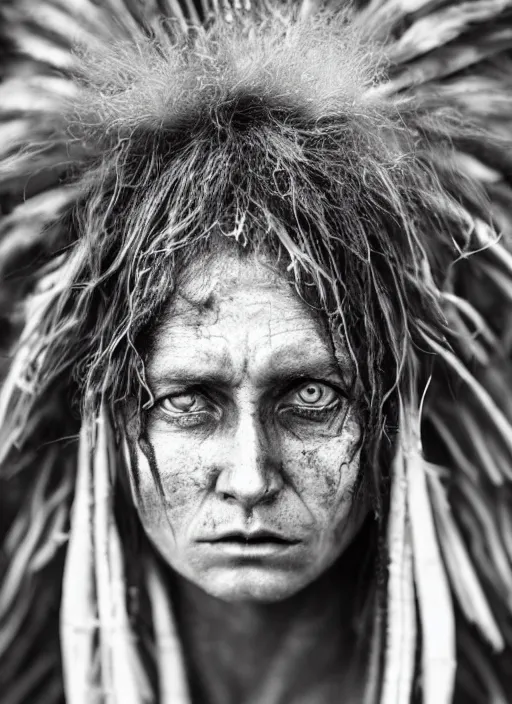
(259, 537)
(257, 547)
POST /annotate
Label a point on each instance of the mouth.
(256, 544)
(256, 538)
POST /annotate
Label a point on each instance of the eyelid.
(197, 399)
(204, 401)
(208, 411)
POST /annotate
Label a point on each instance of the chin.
(251, 584)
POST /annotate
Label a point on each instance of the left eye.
(312, 395)
(186, 402)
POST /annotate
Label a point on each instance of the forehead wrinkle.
(169, 358)
(231, 323)
(282, 350)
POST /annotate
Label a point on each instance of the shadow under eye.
(317, 414)
(302, 422)
(175, 419)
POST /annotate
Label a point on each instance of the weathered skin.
(234, 363)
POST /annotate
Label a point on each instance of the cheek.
(324, 472)
(184, 480)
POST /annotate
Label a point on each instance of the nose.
(251, 472)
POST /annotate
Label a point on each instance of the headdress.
(369, 147)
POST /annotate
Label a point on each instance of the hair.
(279, 140)
(255, 141)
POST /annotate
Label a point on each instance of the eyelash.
(190, 420)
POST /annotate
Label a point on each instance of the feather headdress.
(368, 148)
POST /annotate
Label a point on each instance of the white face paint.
(252, 434)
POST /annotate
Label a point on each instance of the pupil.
(312, 393)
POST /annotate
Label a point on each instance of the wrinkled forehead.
(211, 286)
(228, 307)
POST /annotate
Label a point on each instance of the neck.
(302, 649)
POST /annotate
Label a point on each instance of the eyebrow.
(279, 375)
(302, 370)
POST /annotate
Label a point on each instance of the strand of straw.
(11, 627)
(462, 573)
(130, 680)
(192, 12)
(23, 690)
(78, 618)
(401, 629)
(207, 8)
(479, 663)
(171, 667)
(122, 675)
(373, 668)
(173, 9)
(481, 448)
(101, 520)
(495, 414)
(433, 592)
(495, 548)
(457, 455)
(28, 544)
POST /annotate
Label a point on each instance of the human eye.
(314, 400)
(186, 408)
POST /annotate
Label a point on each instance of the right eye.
(184, 402)
(186, 409)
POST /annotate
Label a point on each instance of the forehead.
(236, 316)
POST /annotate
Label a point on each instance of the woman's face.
(253, 436)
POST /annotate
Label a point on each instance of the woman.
(257, 422)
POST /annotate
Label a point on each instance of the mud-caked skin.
(252, 429)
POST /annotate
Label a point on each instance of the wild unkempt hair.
(280, 142)
(283, 137)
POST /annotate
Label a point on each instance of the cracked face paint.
(254, 436)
